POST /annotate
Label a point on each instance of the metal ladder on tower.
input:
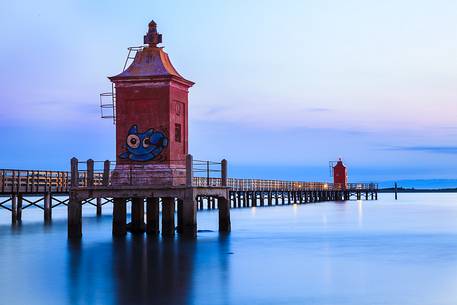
(108, 104)
(108, 99)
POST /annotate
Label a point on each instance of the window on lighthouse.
(178, 133)
(178, 108)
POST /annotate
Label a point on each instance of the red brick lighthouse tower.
(151, 118)
(340, 175)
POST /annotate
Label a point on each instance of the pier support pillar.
(152, 215)
(168, 217)
(224, 216)
(200, 203)
(47, 207)
(179, 214)
(74, 218)
(99, 206)
(137, 225)
(119, 216)
(189, 216)
(270, 198)
(19, 208)
(14, 209)
(212, 202)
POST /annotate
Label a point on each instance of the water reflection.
(360, 213)
(386, 252)
(140, 270)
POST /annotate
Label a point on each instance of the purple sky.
(281, 87)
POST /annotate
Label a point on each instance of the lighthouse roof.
(150, 61)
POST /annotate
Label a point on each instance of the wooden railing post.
(189, 170)
(207, 172)
(106, 171)
(90, 173)
(224, 172)
(74, 173)
(3, 180)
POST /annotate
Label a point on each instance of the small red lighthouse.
(340, 174)
(151, 118)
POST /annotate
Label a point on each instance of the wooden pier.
(22, 189)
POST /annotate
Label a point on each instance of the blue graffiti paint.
(145, 146)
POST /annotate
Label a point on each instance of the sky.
(282, 87)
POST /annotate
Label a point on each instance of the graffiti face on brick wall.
(144, 146)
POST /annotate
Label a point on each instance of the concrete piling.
(137, 225)
(152, 215)
(74, 221)
(19, 207)
(224, 216)
(119, 216)
(168, 217)
(189, 216)
(179, 215)
(47, 207)
(99, 206)
(14, 209)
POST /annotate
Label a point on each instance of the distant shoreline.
(414, 190)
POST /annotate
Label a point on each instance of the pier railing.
(33, 181)
(282, 185)
(197, 173)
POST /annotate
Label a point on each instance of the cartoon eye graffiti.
(144, 146)
(133, 141)
(146, 142)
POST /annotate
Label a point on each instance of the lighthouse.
(340, 175)
(151, 118)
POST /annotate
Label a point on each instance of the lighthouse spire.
(152, 37)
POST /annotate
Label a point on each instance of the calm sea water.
(371, 252)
